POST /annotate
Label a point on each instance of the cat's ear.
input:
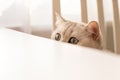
(59, 19)
(93, 28)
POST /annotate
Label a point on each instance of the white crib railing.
(100, 8)
(116, 26)
(101, 20)
(56, 7)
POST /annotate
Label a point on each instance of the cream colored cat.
(88, 35)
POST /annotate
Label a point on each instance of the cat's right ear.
(93, 28)
(59, 19)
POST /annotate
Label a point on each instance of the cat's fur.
(88, 35)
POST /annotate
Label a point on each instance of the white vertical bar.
(101, 20)
(26, 20)
(84, 13)
(116, 28)
(56, 8)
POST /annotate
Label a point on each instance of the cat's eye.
(57, 37)
(73, 40)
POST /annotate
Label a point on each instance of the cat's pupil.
(57, 37)
(73, 40)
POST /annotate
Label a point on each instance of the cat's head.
(77, 33)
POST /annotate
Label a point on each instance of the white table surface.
(27, 57)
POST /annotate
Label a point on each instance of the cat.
(88, 35)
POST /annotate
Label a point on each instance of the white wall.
(41, 11)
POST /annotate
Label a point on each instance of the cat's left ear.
(93, 28)
(59, 19)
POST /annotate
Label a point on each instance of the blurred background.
(35, 16)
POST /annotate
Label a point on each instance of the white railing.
(116, 26)
(56, 7)
(100, 10)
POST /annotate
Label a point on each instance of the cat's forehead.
(71, 25)
(76, 24)
(71, 29)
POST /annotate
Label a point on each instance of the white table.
(27, 57)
